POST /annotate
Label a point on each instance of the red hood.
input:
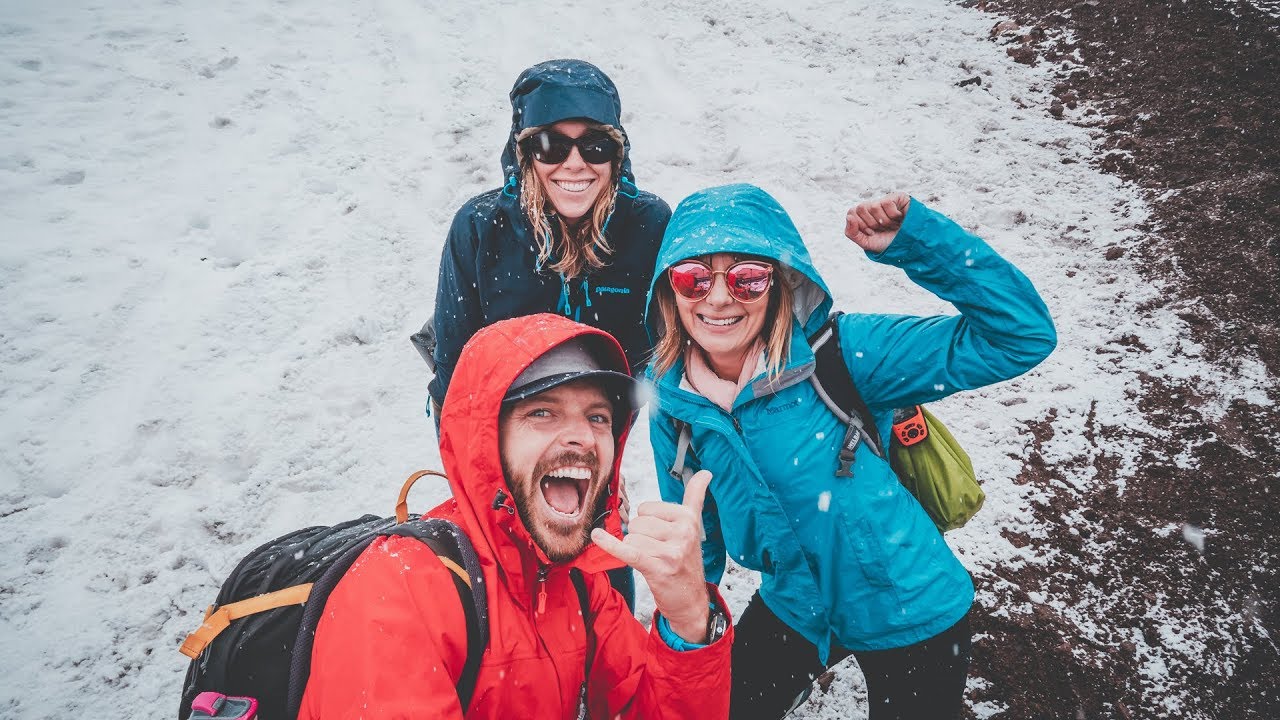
(489, 363)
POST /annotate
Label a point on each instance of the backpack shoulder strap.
(300, 662)
(584, 604)
(456, 553)
(684, 438)
(836, 389)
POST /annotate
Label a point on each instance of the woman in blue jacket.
(849, 565)
(569, 232)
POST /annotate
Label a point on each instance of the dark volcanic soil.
(1186, 96)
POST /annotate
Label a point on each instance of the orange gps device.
(912, 428)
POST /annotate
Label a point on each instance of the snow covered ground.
(219, 223)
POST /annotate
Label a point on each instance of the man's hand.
(664, 544)
(872, 225)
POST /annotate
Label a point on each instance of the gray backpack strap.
(684, 436)
(853, 435)
(679, 471)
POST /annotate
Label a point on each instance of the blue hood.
(558, 90)
(746, 220)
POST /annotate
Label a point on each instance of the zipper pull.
(542, 589)
(500, 503)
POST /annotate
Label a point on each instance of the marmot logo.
(784, 407)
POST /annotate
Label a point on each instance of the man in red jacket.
(531, 438)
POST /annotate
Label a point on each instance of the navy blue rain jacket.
(488, 269)
(854, 561)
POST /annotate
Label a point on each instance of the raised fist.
(873, 224)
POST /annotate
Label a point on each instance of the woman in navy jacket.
(569, 232)
(849, 565)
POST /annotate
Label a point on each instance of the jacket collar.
(678, 398)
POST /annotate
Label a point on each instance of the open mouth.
(565, 488)
(573, 186)
(720, 322)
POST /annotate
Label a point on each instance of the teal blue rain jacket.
(854, 561)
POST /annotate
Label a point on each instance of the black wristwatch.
(717, 624)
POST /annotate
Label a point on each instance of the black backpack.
(256, 638)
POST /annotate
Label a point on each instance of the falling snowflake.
(1194, 536)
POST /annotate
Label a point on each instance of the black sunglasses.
(552, 148)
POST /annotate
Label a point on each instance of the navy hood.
(558, 90)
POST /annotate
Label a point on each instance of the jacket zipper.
(540, 606)
(540, 589)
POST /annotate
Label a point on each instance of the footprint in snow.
(223, 64)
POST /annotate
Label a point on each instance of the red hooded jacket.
(393, 639)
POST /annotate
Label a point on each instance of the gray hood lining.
(808, 294)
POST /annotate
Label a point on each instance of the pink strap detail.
(208, 702)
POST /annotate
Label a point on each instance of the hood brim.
(558, 90)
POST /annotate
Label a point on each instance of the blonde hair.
(581, 247)
(776, 331)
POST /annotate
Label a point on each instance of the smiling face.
(573, 186)
(725, 328)
(557, 454)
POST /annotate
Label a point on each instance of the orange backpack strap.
(402, 503)
(218, 620)
(456, 569)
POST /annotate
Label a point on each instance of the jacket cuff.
(674, 641)
(915, 228)
(679, 644)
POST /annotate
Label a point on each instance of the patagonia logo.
(606, 290)
(784, 407)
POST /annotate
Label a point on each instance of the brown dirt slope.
(1187, 96)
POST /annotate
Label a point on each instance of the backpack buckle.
(845, 469)
(848, 448)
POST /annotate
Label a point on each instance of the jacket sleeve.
(1003, 330)
(635, 674)
(662, 435)
(458, 314)
(387, 647)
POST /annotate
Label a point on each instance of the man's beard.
(559, 545)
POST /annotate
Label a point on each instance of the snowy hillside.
(220, 222)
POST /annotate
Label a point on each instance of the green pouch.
(939, 474)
